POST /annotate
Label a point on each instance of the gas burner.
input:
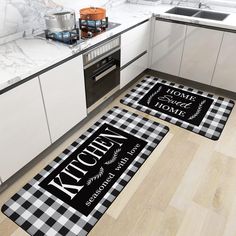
(67, 37)
(90, 28)
(77, 36)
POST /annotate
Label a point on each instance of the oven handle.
(96, 78)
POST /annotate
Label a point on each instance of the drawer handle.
(105, 73)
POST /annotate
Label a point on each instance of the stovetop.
(112, 25)
(72, 38)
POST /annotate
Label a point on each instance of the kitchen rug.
(72, 193)
(194, 110)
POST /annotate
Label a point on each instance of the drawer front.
(134, 42)
(133, 70)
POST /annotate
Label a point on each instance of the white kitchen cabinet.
(64, 96)
(200, 54)
(225, 71)
(134, 52)
(23, 127)
(167, 47)
(134, 42)
(133, 70)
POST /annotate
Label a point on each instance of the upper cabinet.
(225, 71)
(200, 54)
(64, 96)
(23, 127)
(167, 47)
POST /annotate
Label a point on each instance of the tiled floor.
(186, 187)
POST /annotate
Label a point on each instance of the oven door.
(102, 79)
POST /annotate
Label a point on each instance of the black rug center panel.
(183, 105)
(88, 173)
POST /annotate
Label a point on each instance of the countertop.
(25, 57)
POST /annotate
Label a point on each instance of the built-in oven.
(102, 72)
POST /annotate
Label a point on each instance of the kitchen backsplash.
(24, 17)
(18, 17)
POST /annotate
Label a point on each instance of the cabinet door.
(64, 96)
(200, 53)
(225, 71)
(134, 42)
(167, 48)
(133, 70)
(23, 127)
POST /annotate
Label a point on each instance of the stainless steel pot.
(61, 21)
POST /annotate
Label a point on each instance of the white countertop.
(25, 57)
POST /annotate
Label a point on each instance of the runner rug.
(194, 110)
(70, 195)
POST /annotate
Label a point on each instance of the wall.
(19, 17)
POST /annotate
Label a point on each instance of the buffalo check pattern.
(212, 124)
(40, 213)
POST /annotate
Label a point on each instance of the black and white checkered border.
(212, 124)
(40, 213)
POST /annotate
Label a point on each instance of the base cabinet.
(64, 96)
(167, 47)
(134, 52)
(23, 127)
(133, 70)
(134, 42)
(225, 71)
(200, 54)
